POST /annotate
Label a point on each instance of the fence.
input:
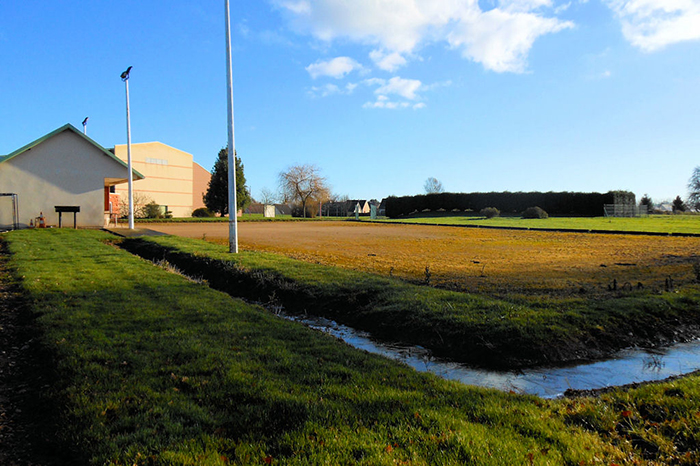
(9, 211)
(626, 210)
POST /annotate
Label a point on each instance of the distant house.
(664, 207)
(63, 168)
(255, 208)
(363, 203)
(381, 210)
(282, 209)
(346, 208)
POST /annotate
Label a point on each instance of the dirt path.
(26, 427)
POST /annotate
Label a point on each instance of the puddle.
(628, 366)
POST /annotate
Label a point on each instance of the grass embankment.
(664, 224)
(464, 327)
(155, 369)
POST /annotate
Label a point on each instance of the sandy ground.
(495, 261)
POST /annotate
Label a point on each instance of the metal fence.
(9, 205)
(626, 210)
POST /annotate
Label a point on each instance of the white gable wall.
(62, 170)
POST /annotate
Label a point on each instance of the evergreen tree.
(216, 197)
(679, 205)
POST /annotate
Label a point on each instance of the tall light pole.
(125, 78)
(85, 125)
(232, 206)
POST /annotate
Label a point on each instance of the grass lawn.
(651, 224)
(156, 369)
(472, 328)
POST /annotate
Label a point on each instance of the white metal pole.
(232, 206)
(128, 151)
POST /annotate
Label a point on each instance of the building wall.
(168, 175)
(63, 170)
(200, 184)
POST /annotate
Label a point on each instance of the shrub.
(152, 210)
(202, 212)
(298, 211)
(535, 212)
(490, 212)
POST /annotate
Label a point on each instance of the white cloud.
(324, 91)
(403, 91)
(383, 103)
(654, 24)
(335, 68)
(299, 7)
(500, 38)
(387, 61)
(405, 88)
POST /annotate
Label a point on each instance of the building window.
(113, 189)
(156, 161)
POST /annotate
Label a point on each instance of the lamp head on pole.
(85, 121)
(125, 75)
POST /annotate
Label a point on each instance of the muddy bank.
(572, 393)
(395, 311)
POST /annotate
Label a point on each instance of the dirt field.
(499, 262)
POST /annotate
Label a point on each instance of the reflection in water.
(628, 366)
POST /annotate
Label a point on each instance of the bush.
(298, 211)
(490, 212)
(202, 212)
(152, 210)
(534, 212)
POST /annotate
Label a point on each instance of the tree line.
(563, 203)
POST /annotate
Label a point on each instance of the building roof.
(67, 127)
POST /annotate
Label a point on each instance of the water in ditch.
(628, 366)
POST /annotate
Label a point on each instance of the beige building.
(200, 184)
(64, 168)
(172, 179)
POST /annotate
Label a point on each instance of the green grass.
(660, 420)
(470, 328)
(651, 224)
(154, 369)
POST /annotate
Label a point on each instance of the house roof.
(67, 127)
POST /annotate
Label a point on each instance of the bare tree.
(267, 197)
(304, 184)
(433, 186)
(694, 190)
(140, 202)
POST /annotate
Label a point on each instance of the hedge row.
(565, 203)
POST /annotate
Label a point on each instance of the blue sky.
(487, 95)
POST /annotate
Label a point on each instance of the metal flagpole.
(125, 78)
(232, 206)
